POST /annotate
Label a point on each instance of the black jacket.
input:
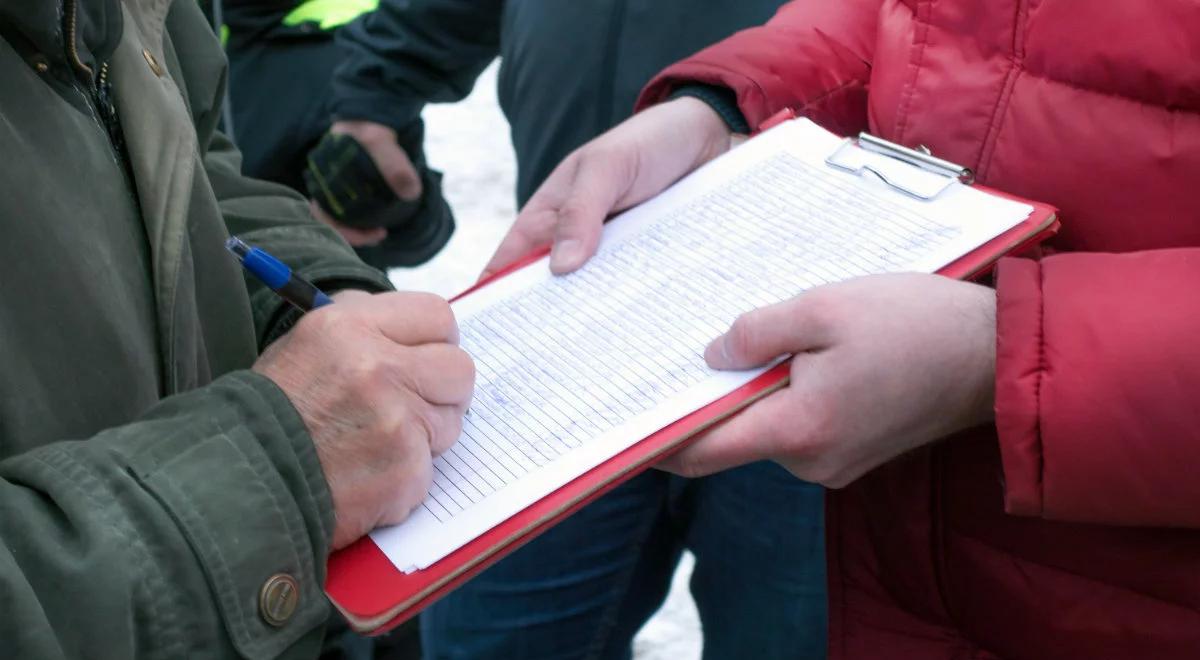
(279, 83)
(282, 56)
(571, 69)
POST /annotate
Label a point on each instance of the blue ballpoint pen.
(276, 275)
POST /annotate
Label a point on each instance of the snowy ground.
(469, 142)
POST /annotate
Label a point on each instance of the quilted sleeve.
(1098, 387)
(812, 57)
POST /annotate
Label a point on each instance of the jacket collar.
(49, 27)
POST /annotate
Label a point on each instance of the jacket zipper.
(108, 112)
(99, 92)
(72, 10)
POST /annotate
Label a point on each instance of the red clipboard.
(375, 596)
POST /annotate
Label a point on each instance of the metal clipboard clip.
(919, 158)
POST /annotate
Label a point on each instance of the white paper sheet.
(573, 370)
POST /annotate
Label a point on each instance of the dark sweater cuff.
(722, 100)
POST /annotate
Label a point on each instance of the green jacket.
(150, 486)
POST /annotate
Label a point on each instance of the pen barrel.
(303, 295)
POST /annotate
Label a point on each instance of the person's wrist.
(702, 120)
(365, 131)
(983, 332)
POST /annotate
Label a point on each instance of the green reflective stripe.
(224, 35)
(329, 14)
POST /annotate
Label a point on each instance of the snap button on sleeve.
(278, 599)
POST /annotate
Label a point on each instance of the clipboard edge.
(769, 383)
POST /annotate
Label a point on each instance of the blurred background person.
(282, 56)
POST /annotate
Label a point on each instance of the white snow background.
(469, 142)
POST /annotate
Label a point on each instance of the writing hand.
(382, 387)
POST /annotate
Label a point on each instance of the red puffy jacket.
(1072, 529)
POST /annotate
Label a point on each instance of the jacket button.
(40, 64)
(278, 599)
(154, 65)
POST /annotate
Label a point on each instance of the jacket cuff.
(722, 100)
(277, 316)
(253, 504)
(375, 106)
(1019, 371)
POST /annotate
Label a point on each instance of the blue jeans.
(584, 588)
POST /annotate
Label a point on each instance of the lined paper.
(573, 370)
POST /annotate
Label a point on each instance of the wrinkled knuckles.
(393, 426)
(436, 311)
(329, 321)
(406, 481)
(460, 367)
(408, 493)
(416, 427)
(450, 432)
(369, 378)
